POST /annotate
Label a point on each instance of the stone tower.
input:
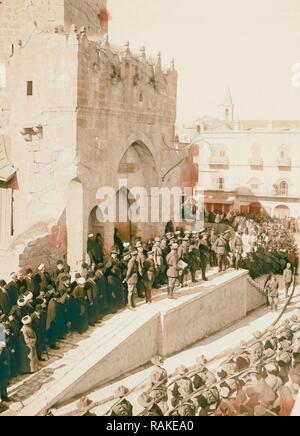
(20, 19)
(227, 107)
(76, 114)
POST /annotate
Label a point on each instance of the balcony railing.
(256, 163)
(218, 160)
(284, 162)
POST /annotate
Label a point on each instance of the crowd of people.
(259, 378)
(39, 308)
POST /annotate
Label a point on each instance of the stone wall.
(20, 19)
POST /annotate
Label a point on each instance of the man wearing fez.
(28, 359)
(28, 281)
(41, 280)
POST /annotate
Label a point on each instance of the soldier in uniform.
(272, 287)
(237, 248)
(149, 276)
(212, 240)
(220, 250)
(123, 407)
(182, 386)
(158, 261)
(149, 406)
(288, 279)
(183, 251)
(156, 386)
(132, 279)
(172, 272)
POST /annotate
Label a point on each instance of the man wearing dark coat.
(4, 298)
(79, 294)
(41, 280)
(28, 282)
(4, 371)
(204, 251)
(93, 298)
(13, 290)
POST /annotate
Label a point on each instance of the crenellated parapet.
(108, 73)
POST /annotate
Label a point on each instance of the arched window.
(284, 188)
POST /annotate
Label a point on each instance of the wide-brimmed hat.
(121, 392)
(157, 361)
(181, 370)
(145, 400)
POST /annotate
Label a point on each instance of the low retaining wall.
(221, 303)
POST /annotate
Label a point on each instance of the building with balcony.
(250, 166)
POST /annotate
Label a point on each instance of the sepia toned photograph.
(149, 210)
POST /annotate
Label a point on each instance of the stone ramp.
(129, 339)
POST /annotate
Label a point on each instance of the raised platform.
(130, 339)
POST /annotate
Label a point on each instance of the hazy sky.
(249, 44)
